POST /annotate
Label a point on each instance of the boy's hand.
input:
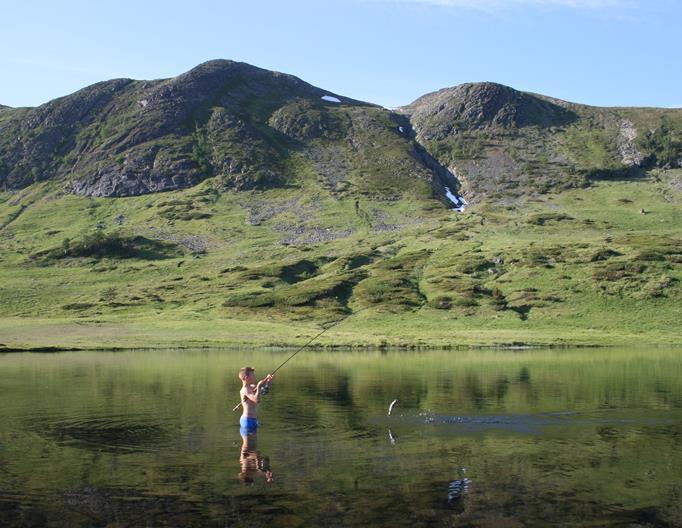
(268, 378)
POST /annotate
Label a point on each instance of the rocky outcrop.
(305, 120)
(630, 155)
(144, 169)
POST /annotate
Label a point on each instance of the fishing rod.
(301, 348)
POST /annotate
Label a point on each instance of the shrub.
(499, 300)
(542, 218)
(604, 254)
(664, 145)
(442, 302)
(99, 244)
(464, 301)
(78, 306)
(650, 256)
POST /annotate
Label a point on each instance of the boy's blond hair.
(245, 371)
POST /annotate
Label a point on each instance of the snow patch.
(401, 130)
(331, 99)
(458, 201)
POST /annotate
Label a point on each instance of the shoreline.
(4, 349)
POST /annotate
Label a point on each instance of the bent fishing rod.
(302, 347)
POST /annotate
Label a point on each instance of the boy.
(250, 396)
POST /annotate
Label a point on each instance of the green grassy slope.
(199, 266)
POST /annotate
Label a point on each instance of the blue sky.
(601, 52)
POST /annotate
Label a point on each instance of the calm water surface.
(529, 438)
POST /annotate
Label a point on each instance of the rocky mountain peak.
(474, 106)
(124, 137)
(226, 83)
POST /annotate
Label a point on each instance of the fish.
(390, 407)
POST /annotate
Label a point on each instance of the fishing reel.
(265, 389)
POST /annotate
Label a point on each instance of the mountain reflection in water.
(521, 438)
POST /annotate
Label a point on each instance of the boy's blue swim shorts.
(247, 425)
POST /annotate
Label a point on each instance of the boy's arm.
(267, 379)
(254, 397)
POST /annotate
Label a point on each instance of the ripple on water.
(534, 423)
(106, 433)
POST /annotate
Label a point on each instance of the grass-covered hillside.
(201, 267)
(287, 208)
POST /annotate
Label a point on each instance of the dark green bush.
(99, 244)
(442, 302)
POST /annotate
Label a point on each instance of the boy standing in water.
(250, 396)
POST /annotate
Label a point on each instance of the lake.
(477, 438)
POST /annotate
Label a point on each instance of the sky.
(389, 52)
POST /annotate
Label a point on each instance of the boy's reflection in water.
(250, 460)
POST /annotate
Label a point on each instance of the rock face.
(305, 119)
(630, 155)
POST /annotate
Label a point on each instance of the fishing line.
(302, 347)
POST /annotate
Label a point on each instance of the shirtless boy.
(250, 396)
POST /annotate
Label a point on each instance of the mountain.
(286, 206)
(248, 127)
(503, 144)
(244, 125)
